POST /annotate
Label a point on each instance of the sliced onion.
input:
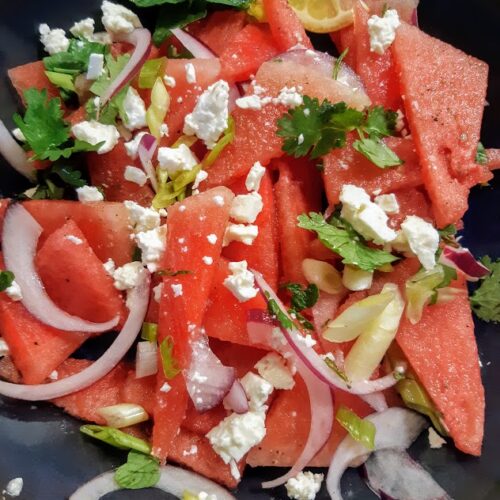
(137, 302)
(393, 474)
(193, 45)
(376, 401)
(173, 480)
(207, 379)
(236, 399)
(395, 428)
(14, 154)
(19, 242)
(140, 38)
(123, 415)
(315, 363)
(146, 150)
(146, 359)
(463, 260)
(260, 327)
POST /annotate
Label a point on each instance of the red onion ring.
(19, 242)
(193, 45)
(395, 428)
(463, 260)
(173, 480)
(14, 154)
(236, 399)
(314, 362)
(146, 359)
(138, 301)
(146, 151)
(140, 38)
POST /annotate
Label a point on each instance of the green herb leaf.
(481, 155)
(377, 152)
(6, 279)
(303, 321)
(237, 4)
(338, 63)
(152, 3)
(56, 181)
(360, 429)
(113, 68)
(341, 238)
(61, 80)
(169, 363)
(140, 471)
(485, 300)
(330, 362)
(380, 122)
(149, 332)
(116, 438)
(302, 297)
(276, 312)
(447, 234)
(152, 69)
(77, 147)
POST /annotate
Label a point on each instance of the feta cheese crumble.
(135, 175)
(254, 177)
(134, 109)
(14, 291)
(117, 19)
(304, 486)
(244, 233)
(95, 66)
(18, 134)
(140, 218)
(4, 348)
(306, 340)
(74, 239)
(273, 368)
(423, 239)
(152, 244)
(289, 97)
(388, 203)
(207, 260)
(366, 217)
(89, 194)
(128, 276)
(169, 81)
(201, 176)
(54, 41)
(14, 487)
(435, 440)
(212, 238)
(218, 200)
(382, 30)
(190, 73)
(257, 390)
(249, 102)
(241, 281)
(54, 375)
(157, 291)
(178, 159)
(132, 146)
(246, 207)
(210, 115)
(94, 133)
(83, 28)
(166, 387)
(177, 289)
(109, 266)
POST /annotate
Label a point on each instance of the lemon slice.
(323, 16)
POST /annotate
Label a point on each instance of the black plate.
(42, 445)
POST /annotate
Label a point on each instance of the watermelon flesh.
(445, 128)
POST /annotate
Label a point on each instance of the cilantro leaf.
(302, 297)
(303, 321)
(485, 300)
(56, 181)
(447, 234)
(169, 363)
(6, 279)
(377, 152)
(380, 122)
(340, 237)
(77, 147)
(115, 437)
(338, 63)
(481, 155)
(140, 471)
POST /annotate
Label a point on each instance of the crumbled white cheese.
(177, 289)
(169, 81)
(254, 177)
(246, 207)
(157, 291)
(241, 281)
(356, 279)
(257, 390)
(273, 368)
(207, 260)
(300, 139)
(435, 440)
(117, 19)
(14, 291)
(237, 434)
(18, 134)
(289, 97)
(388, 203)
(304, 486)
(202, 495)
(95, 66)
(192, 451)
(423, 239)
(134, 109)
(244, 233)
(212, 238)
(210, 115)
(4, 348)
(14, 487)
(83, 28)
(201, 176)
(54, 41)
(109, 266)
(166, 387)
(382, 30)
(74, 239)
(128, 276)
(94, 133)
(190, 73)
(135, 175)
(218, 200)
(306, 340)
(365, 216)
(89, 194)
(132, 146)
(178, 159)
(152, 244)
(249, 102)
(164, 130)
(54, 375)
(140, 218)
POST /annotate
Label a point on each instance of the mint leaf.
(481, 155)
(302, 297)
(377, 152)
(116, 438)
(341, 238)
(6, 279)
(140, 471)
(485, 300)
(276, 312)
(169, 363)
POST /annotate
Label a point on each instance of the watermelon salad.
(268, 235)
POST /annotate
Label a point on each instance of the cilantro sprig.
(57, 181)
(481, 154)
(6, 279)
(485, 300)
(301, 298)
(313, 129)
(340, 237)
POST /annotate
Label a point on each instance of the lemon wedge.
(323, 16)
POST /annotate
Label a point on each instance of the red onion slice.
(236, 399)
(376, 401)
(395, 428)
(14, 154)
(146, 151)
(140, 38)
(173, 480)
(463, 260)
(393, 474)
(137, 301)
(207, 379)
(315, 363)
(193, 45)
(146, 359)
(19, 242)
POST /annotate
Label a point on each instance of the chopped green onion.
(152, 69)
(360, 429)
(169, 363)
(149, 332)
(123, 415)
(226, 139)
(160, 103)
(338, 63)
(116, 438)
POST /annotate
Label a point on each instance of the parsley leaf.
(6, 279)
(169, 363)
(140, 471)
(340, 237)
(377, 152)
(485, 300)
(481, 155)
(115, 437)
(302, 298)
(338, 63)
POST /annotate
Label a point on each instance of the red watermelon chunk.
(105, 225)
(202, 423)
(493, 158)
(140, 391)
(345, 39)
(413, 201)
(262, 255)
(107, 171)
(445, 93)
(75, 278)
(347, 166)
